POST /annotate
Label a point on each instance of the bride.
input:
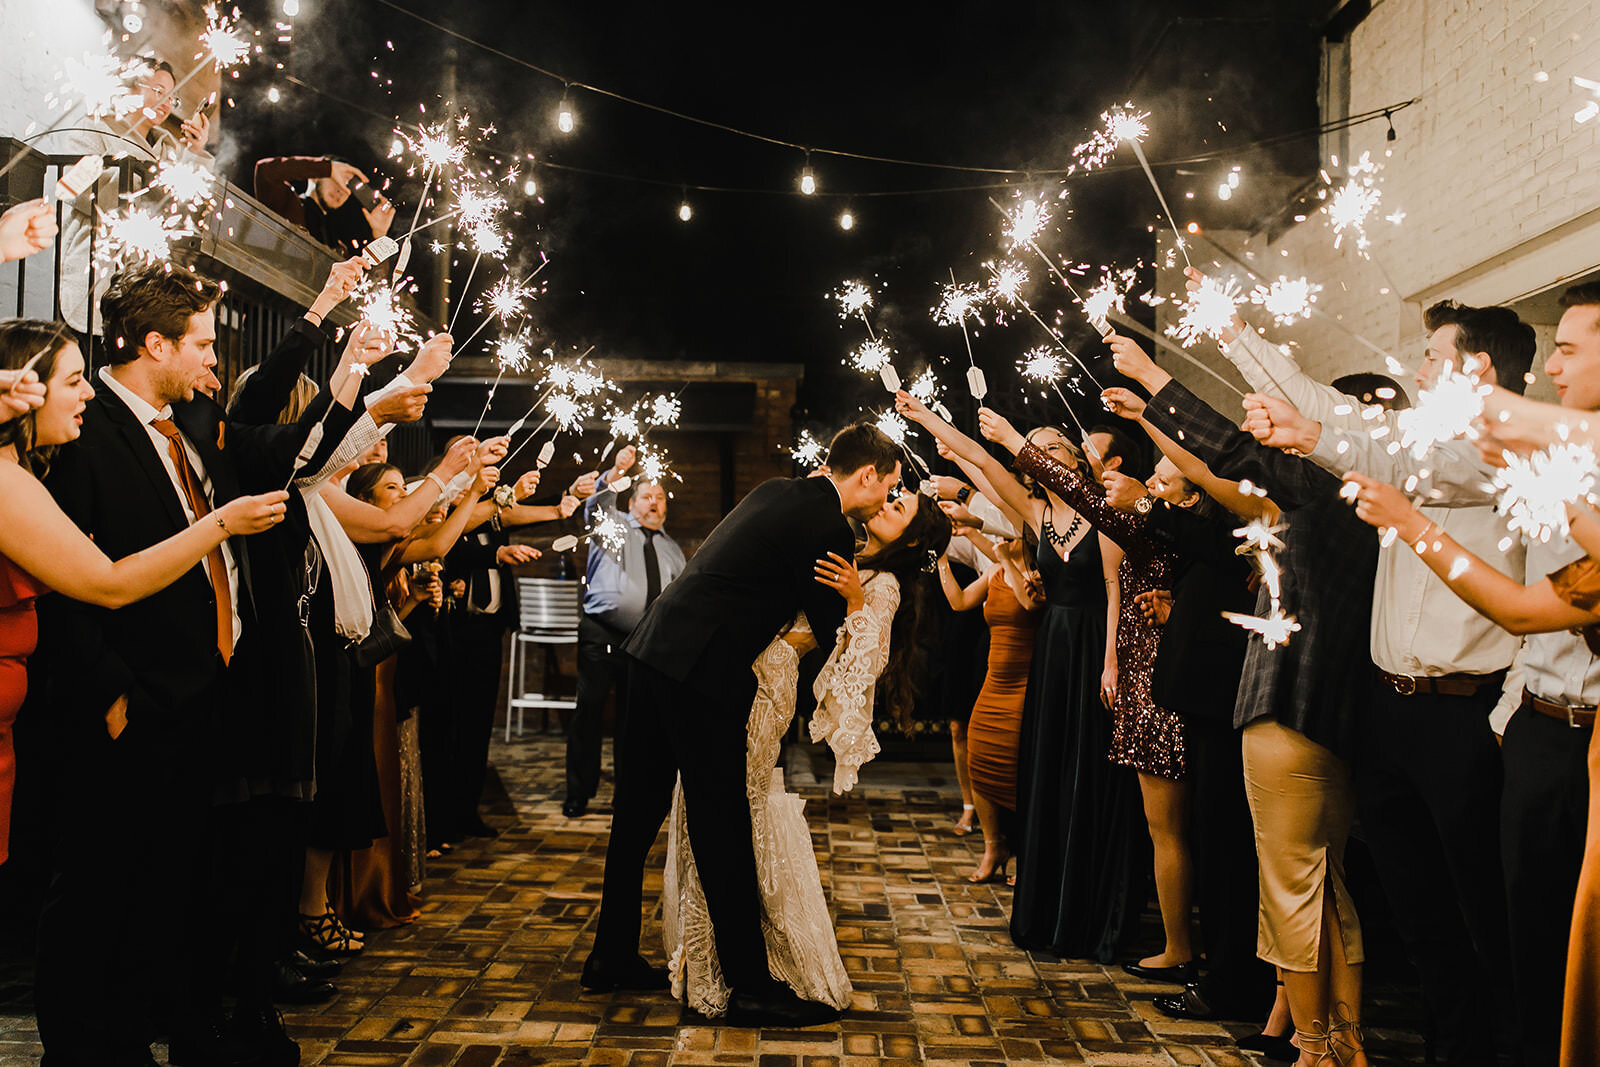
(882, 591)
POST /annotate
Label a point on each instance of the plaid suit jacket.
(1314, 683)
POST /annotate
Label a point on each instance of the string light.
(273, 96)
(530, 188)
(685, 212)
(566, 122)
(847, 221)
(291, 8)
(808, 180)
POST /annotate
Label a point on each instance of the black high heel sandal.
(329, 934)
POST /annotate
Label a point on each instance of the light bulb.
(291, 8)
(1233, 178)
(565, 121)
(1224, 191)
(530, 188)
(685, 212)
(132, 22)
(808, 182)
(273, 95)
(847, 221)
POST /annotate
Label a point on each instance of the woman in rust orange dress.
(994, 730)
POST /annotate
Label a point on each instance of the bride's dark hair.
(909, 558)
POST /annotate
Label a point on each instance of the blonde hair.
(304, 392)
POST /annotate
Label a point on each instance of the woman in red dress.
(43, 390)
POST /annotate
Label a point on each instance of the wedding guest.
(1297, 704)
(1434, 685)
(1078, 892)
(151, 460)
(317, 193)
(1012, 615)
(617, 590)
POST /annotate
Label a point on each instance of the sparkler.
(1129, 325)
(808, 450)
(1275, 627)
(1006, 281)
(1286, 299)
(1054, 336)
(1445, 410)
(505, 300)
(925, 387)
(1042, 365)
(609, 531)
(624, 423)
(664, 410)
(1107, 296)
(1354, 202)
(1533, 493)
(871, 357)
(956, 302)
(894, 427)
(1274, 630)
(1261, 536)
(187, 182)
(512, 354)
(1209, 310)
(380, 305)
(854, 298)
(1027, 221)
(136, 234)
(1127, 127)
(653, 465)
(1118, 125)
(224, 39)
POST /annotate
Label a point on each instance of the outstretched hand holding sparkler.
(1134, 362)
(1123, 403)
(27, 228)
(343, 278)
(995, 427)
(1277, 423)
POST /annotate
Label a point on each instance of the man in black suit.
(140, 694)
(690, 685)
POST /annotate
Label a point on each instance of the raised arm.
(969, 597)
(974, 459)
(1517, 608)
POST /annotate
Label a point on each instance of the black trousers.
(1428, 781)
(257, 860)
(121, 944)
(1227, 889)
(1544, 811)
(602, 666)
(670, 730)
(479, 649)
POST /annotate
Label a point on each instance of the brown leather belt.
(1449, 685)
(1576, 716)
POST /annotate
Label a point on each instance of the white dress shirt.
(147, 415)
(1419, 627)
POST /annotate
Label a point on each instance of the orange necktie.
(217, 568)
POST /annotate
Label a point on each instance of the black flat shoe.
(574, 808)
(1180, 974)
(1278, 1048)
(634, 974)
(318, 966)
(290, 985)
(1186, 1005)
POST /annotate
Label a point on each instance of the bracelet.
(223, 525)
(1420, 543)
(435, 479)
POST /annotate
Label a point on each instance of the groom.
(690, 688)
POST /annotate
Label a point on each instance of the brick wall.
(1488, 162)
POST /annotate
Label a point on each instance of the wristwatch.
(963, 493)
(1144, 504)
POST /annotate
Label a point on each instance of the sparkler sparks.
(958, 301)
(1286, 299)
(504, 299)
(1118, 125)
(854, 299)
(380, 305)
(1107, 296)
(513, 354)
(871, 357)
(1353, 203)
(434, 146)
(224, 40)
(609, 531)
(808, 450)
(1208, 311)
(653, 465)
(133, 234)
(1274, 629)
(893, 427)
(1261, 536)
(1006, 281)
(624, 423)
(104, 85)
(925, 388)
(1533, 493)
(1041, 364)
(664, 411)
(1445, 410)
(187, 182)
(1027, 221)
(564, 410)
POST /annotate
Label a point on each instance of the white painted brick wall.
(39, 36)
(1488, 158)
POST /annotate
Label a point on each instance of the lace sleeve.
(846, 683)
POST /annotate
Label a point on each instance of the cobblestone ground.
(488, 977)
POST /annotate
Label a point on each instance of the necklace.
(1060, 540)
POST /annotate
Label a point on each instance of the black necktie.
(652, 566)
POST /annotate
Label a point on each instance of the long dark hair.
(20, 341)
(923, 541)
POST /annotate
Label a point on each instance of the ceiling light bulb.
(132, 22)
(291, 8)
(565, 120)
(1224, 191)
(1233, 179)
(847, 221)
(808, 182)
(273, 95)
(685, 212)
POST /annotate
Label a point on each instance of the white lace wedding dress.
(801, 949)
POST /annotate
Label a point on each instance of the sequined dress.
(1144, 736)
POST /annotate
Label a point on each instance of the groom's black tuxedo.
(690, 686)
(747, 581)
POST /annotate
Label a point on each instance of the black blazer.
(1201, 656)
(471, 560)
(747, 581)
(160, 651)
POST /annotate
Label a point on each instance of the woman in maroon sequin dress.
(1144, 736)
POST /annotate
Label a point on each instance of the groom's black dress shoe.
(573, 807)
(777, 1006)
(633, 974)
